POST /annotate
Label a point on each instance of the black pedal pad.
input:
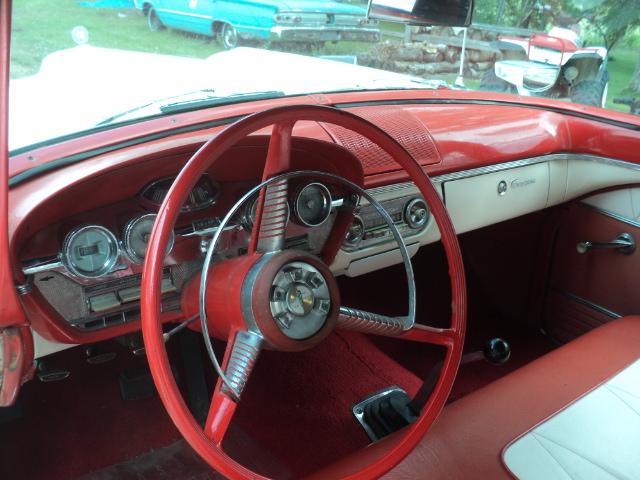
(96, 355)
(384, 412)
(48, 373)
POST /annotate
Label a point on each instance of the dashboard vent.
(407, 129)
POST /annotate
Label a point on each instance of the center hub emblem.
(299, 300)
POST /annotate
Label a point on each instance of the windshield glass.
(77, 65)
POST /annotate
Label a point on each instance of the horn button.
(299, 300)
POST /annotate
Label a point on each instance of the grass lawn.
(622, 61)
(44, 26)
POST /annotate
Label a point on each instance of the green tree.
(614, 19)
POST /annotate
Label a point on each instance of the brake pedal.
(384, 412)
(96, 355)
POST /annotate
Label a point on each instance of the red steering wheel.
(243, 291)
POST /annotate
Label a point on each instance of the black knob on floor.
(497, 351)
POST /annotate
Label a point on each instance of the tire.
(490, 82)
(229, 36)
(155, 24)
(591, 92)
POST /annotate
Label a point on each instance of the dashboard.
(79, 233)
(88, 266)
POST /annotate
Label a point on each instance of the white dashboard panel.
(584, 176)
(43, 347)
(483, 200)
(624, 203)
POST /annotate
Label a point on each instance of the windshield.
(77, 65)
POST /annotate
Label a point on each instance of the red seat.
(468, 438)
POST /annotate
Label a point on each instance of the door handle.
(623, 243)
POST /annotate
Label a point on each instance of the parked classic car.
(209, 268)
(300, 21)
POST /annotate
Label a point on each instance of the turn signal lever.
(623, 243)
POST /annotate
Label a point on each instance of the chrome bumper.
(327, 33)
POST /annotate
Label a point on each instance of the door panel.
(587, 289)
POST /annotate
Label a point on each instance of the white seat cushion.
(596, 437)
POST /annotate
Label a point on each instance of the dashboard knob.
(416, 213)
(355, 233)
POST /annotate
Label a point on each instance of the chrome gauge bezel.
(327, 204)
(128, 231)
(107, 266)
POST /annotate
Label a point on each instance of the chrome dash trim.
(615, 216)
(587, 303)
(498, 167)
(45, 266)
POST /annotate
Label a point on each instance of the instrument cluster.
(92, 251)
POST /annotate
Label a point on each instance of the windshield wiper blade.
(178, 107)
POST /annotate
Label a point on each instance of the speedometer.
(312, 204)
(136, 236)
(89, 251)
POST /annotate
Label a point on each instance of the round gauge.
(89, 251)
(249, 213)
(312, 204)
(136, 236)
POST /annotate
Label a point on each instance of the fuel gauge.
(136, 237)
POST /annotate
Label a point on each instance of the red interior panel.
(401, 124)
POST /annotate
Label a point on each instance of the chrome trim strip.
(615, 216)
(43, 267)
(586, 303)
(188, 14)
(498, 167)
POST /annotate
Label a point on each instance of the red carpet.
(74, 426)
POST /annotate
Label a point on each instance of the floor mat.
(299, 404)
(176, 461)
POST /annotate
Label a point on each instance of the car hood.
(77, 88)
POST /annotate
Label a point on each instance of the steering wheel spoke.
(240, 358)
(399, 327)
(374, 323)
(272, 208)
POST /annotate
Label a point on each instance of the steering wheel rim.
(452, 338)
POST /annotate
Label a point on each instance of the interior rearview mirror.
(455, 13)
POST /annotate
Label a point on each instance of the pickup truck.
(289, 21)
